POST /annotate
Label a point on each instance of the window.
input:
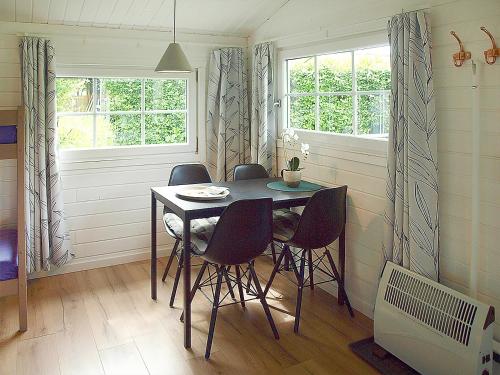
(112, 112)
(344, 93)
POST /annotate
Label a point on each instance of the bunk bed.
(13, 278)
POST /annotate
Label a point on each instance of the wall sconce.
(462, 55)
(491, 54)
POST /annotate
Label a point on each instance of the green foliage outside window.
(334, 93)
(116, 100)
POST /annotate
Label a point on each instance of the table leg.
(340, 296)
(187, 282)
(153, 246)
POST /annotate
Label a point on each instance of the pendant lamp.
(174, 59)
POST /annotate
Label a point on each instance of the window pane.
(118, 95)
(335, 114)
(373, 114)
(166, 128)
(75, 131)
(373, 69)
(301, 75)
(335, 72)
(164, 94)
(118, 130)
(74, 94)
(302, 112)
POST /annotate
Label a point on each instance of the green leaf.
(294, 163)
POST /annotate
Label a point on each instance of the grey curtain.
(411, 216)
(228, 125)
(263, 122)
(46, 238)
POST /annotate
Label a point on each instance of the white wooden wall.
(316, 21)
(107, 199)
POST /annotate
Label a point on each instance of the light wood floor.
(103, 322)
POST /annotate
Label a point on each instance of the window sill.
(123, 153)
(373, 145)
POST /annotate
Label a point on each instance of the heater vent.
(431, 306)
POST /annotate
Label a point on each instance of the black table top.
(247, 189)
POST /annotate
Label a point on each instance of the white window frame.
(345, 44)
(99, 153)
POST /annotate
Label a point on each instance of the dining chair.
(184, 174)
(245, 225)
(320, 224)
(249, 172)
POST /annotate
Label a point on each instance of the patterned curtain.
(47, 241)
(411, 216)
(228, 126)
(263, 125)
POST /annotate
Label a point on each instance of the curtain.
(47, 241)
(411, 237)
(228, 125)
(263, 124)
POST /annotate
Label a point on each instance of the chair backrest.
(242, 233)
(249, 172)
(322, 220)
(185, 174)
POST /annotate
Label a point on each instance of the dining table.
(189, 210)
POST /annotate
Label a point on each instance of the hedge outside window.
(343, 93)
(110, 112)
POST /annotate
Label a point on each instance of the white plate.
(202, 193)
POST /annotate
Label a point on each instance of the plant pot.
(291, 178)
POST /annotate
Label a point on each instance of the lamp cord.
(175, 6)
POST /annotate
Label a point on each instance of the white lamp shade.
(174, 60)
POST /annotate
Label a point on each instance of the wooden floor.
(103, 322)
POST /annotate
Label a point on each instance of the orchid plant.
(290, 142)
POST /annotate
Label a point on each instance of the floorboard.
(102, 322)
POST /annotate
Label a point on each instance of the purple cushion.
(8, 254)
(8, 134)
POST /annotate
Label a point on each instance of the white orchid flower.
(295, 137)
(304, 148)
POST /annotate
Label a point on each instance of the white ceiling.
(239, 17)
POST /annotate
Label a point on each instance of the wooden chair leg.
(240, 286)
(273, 252)
(311, 268)
(228, 282)
(299, 292)
(196, 284)
(176, 280)
(170, 260)
(215, 307)
(273, 273)
(339, 282)
(263, 301)
(286, 265)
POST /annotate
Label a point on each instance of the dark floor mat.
(389, 365)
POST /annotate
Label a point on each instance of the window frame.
(93, 153)
(339, 45)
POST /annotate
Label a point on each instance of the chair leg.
(339, 282)
(299, 292)
(240, 286)
(196, 284)
(286, 265)
(249, 281)
(273, 252)
(176, 280)
(228, 282)
(215, 307)
(263, 301)
(311, 268)
(170, 259)
(273, 273)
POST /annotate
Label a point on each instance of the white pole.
(476, 133)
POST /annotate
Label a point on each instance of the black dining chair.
(184, 174)
(249, 172)
(320, 224)
(242, 233)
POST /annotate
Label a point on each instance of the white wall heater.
(430, 327)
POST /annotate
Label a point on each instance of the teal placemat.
(303, 186)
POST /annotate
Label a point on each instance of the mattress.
(8, 134)
(8, 254)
